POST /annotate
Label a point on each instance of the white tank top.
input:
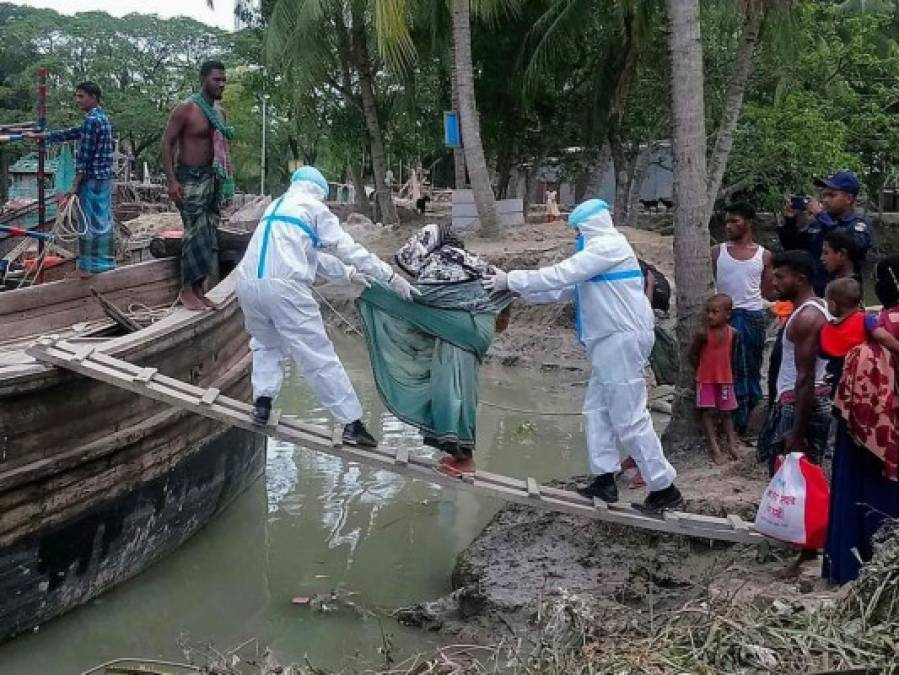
(786, 378)
(741, 279)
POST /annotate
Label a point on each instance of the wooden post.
(41, 157)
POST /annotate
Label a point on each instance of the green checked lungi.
(201, 214)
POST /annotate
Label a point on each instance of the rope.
(66, 227)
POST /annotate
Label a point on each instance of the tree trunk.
(624, 165)
(468, 115)
(458, 153)
(692, 271)
(383, 195)
(376, 140)
(361, 200)
(641, 166)
(754, 13)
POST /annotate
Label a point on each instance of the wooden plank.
(82, 353)
(599, 504)
(115, 313)
(145, 375)
(274, 418)
(59, 315)
(208, 398)
(225, 410)
(402, 455)
(738, 523)
(121, 279)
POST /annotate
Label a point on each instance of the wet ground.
(317, 524)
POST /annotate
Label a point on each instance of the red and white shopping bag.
(795, 504)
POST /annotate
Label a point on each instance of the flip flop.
(449, 469)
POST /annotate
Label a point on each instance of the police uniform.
(811, 238)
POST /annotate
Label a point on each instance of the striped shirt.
(95, 149)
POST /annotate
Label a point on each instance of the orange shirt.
(715, 357)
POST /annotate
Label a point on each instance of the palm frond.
(392, 27)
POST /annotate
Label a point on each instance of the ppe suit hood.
(309, 180)
(592, 218)
(306, 189)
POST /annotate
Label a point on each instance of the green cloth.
(221, 152)
(425, 356)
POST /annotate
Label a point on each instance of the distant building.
(657, 183)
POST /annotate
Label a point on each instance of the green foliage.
(830, 102)
(144, 66)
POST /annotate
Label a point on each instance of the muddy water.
(315, 524)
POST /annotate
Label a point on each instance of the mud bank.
(529, 565)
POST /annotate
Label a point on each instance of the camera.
(799, 202)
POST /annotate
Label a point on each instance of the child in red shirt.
(849, 326)
(711, 353)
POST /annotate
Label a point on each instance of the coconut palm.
(692, 272)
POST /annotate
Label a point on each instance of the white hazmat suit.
(615, 323)
(273, 288)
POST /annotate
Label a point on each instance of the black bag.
(661, 294)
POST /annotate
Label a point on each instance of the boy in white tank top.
(742, 270)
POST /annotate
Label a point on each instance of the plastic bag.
(795, 505)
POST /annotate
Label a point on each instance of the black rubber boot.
(262, 410)
(355, 433)
(668, 499)
(603, 486)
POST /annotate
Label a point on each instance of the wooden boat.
(95, 482)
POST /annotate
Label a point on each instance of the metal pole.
(41, 155)
(262, 163)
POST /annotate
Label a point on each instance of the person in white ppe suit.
(296, 239)
(615, 324)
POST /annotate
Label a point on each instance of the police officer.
(835, 211)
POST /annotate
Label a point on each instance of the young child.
(838, 255)
(711, 353)
(849, 326)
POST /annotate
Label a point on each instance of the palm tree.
(753, 13)
(692, 272)
(468, 116)
(327, 43)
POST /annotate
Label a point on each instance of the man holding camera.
(835, 211)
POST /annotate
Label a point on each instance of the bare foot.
(207, 302)
(190, 300)
(457, 468)
(794, 569)
(84, 275)
(717, 457)
(733, 453)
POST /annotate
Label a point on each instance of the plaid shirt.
(95, 149)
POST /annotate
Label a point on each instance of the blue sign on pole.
(452, 133)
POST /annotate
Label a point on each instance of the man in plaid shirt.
(94, 171)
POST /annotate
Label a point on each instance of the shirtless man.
(742, 270)
(193, 184)
(799, 420)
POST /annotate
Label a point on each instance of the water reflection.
(318, 523)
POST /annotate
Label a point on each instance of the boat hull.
(60, 567)
(97, 482)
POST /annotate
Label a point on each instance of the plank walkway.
(86, 360)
